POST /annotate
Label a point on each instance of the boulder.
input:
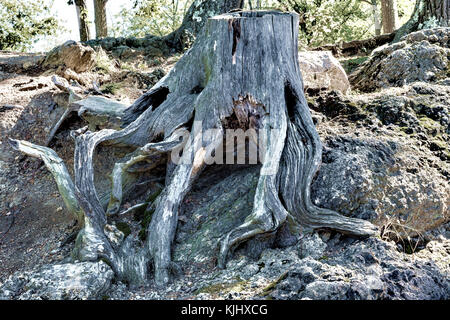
(420, 56)
(73, 55)
(86, 280)
(320, 70)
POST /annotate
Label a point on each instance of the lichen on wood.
(242, 72)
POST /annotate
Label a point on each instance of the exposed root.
(150, 153)
(248, 68)
(301, 159)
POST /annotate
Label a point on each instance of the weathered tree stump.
(241, 73)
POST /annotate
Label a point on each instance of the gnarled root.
(245, 64)
(161, 231)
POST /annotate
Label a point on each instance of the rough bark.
(426, 14)
(101, 28)
(241, 73)
(83, 23)
(59, 172)
(355, 47)
(389, 15)
(182, 38)
(196, 17)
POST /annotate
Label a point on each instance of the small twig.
(136, 206)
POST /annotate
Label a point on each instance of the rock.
(73, 55)
(320, 70)
(420, 56)
(123, 52)
(375, 182)
(18, 62)
(100, 112)
(87, 280)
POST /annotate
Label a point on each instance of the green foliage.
(330, 21)
(23, 22)
(155, 17)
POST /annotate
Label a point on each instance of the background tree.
(241, 73)
(101, 27)
(427, 14)
(21, 23)
(82, 15)
(196, 17)
(324, 22)
(376, 18)
(155, 17)
(389, 15)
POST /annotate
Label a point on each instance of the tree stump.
(241, 73)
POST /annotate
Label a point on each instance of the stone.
(320, 70)
(420, 56)
(73, 55)
(86, 280)
(311, 245)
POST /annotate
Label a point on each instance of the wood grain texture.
(243, 66)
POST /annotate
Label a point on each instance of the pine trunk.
(83, 23)
(101, 28)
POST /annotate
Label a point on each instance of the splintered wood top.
(251, 14)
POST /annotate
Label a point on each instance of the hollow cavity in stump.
(241, 73)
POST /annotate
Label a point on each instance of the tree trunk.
(101, 28)
(376, 18)
(241, 75)
(389, 15)
(83, 23)
(426, 14)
